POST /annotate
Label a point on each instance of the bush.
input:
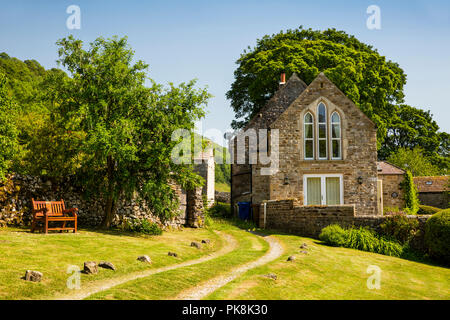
(437, 236)
(334, 235)
(400, 228)
(428, 209)
(220, 209)
(142, 226)
(361, 239)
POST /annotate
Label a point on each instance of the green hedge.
(361, 239)
(400, 228)
(428, 209)
(437, 236)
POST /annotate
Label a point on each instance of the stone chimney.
(282, 78)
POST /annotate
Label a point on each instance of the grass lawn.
(169, 284)
(337, 273)
(324, 273)
(222, 187)
(53, 253)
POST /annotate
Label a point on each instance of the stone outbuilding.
(390, 178)
(433, 191)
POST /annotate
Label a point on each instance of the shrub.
(400, 228)
(334, 235)
(437, 236)
(220, 209)
(143, 226)
(361, 239)
(411, 200)
(428, 209)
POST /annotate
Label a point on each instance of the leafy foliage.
(428, 209)
(142, 226)
(8, 131)
(360, 239)
(220, 209)
(115, 132)
(400, 228)
(411, 199)
(437, 235)
(414, 160)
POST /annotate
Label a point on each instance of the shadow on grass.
(101, 230)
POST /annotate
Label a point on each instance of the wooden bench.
(53, 211)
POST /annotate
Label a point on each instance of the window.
(309, 136)
(335, 136)
(322, 131)
(326, 189)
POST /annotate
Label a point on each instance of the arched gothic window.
(308, 130)
(322, 131)
(336, 142)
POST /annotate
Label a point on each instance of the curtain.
(333, 191)
(313, 191)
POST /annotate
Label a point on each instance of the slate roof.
(384, 167)
(432, 184)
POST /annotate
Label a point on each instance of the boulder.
(144, 259)
(207, 241)
(90, 267)
(304, 251)
(34, 276)
(304, 246)
(173, 254)
(196, 244)
(291, 258)
(271, 276)
(106, 265)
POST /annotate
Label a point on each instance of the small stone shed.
(433, 191)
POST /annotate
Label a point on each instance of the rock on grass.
(34, 276)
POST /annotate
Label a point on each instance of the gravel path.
(92, 288)
(208, 287)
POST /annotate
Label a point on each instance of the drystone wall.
(18, 190)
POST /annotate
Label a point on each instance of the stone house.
(433, 191)
(326, 158)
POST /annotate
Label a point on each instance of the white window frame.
(318, 131)
(336, 139)
(323, 187)
(308, 139)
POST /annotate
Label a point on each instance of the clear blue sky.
(182, 40)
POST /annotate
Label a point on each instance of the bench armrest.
(36, 211)
(73, 211)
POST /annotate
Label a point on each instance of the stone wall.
(308, 221)
(16, 194)
(435, 199)
(393, 194)
(222, 197)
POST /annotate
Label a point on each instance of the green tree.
(8, 132)
(409, 128)
(415, 161)
(372, 82)
(121, 129)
